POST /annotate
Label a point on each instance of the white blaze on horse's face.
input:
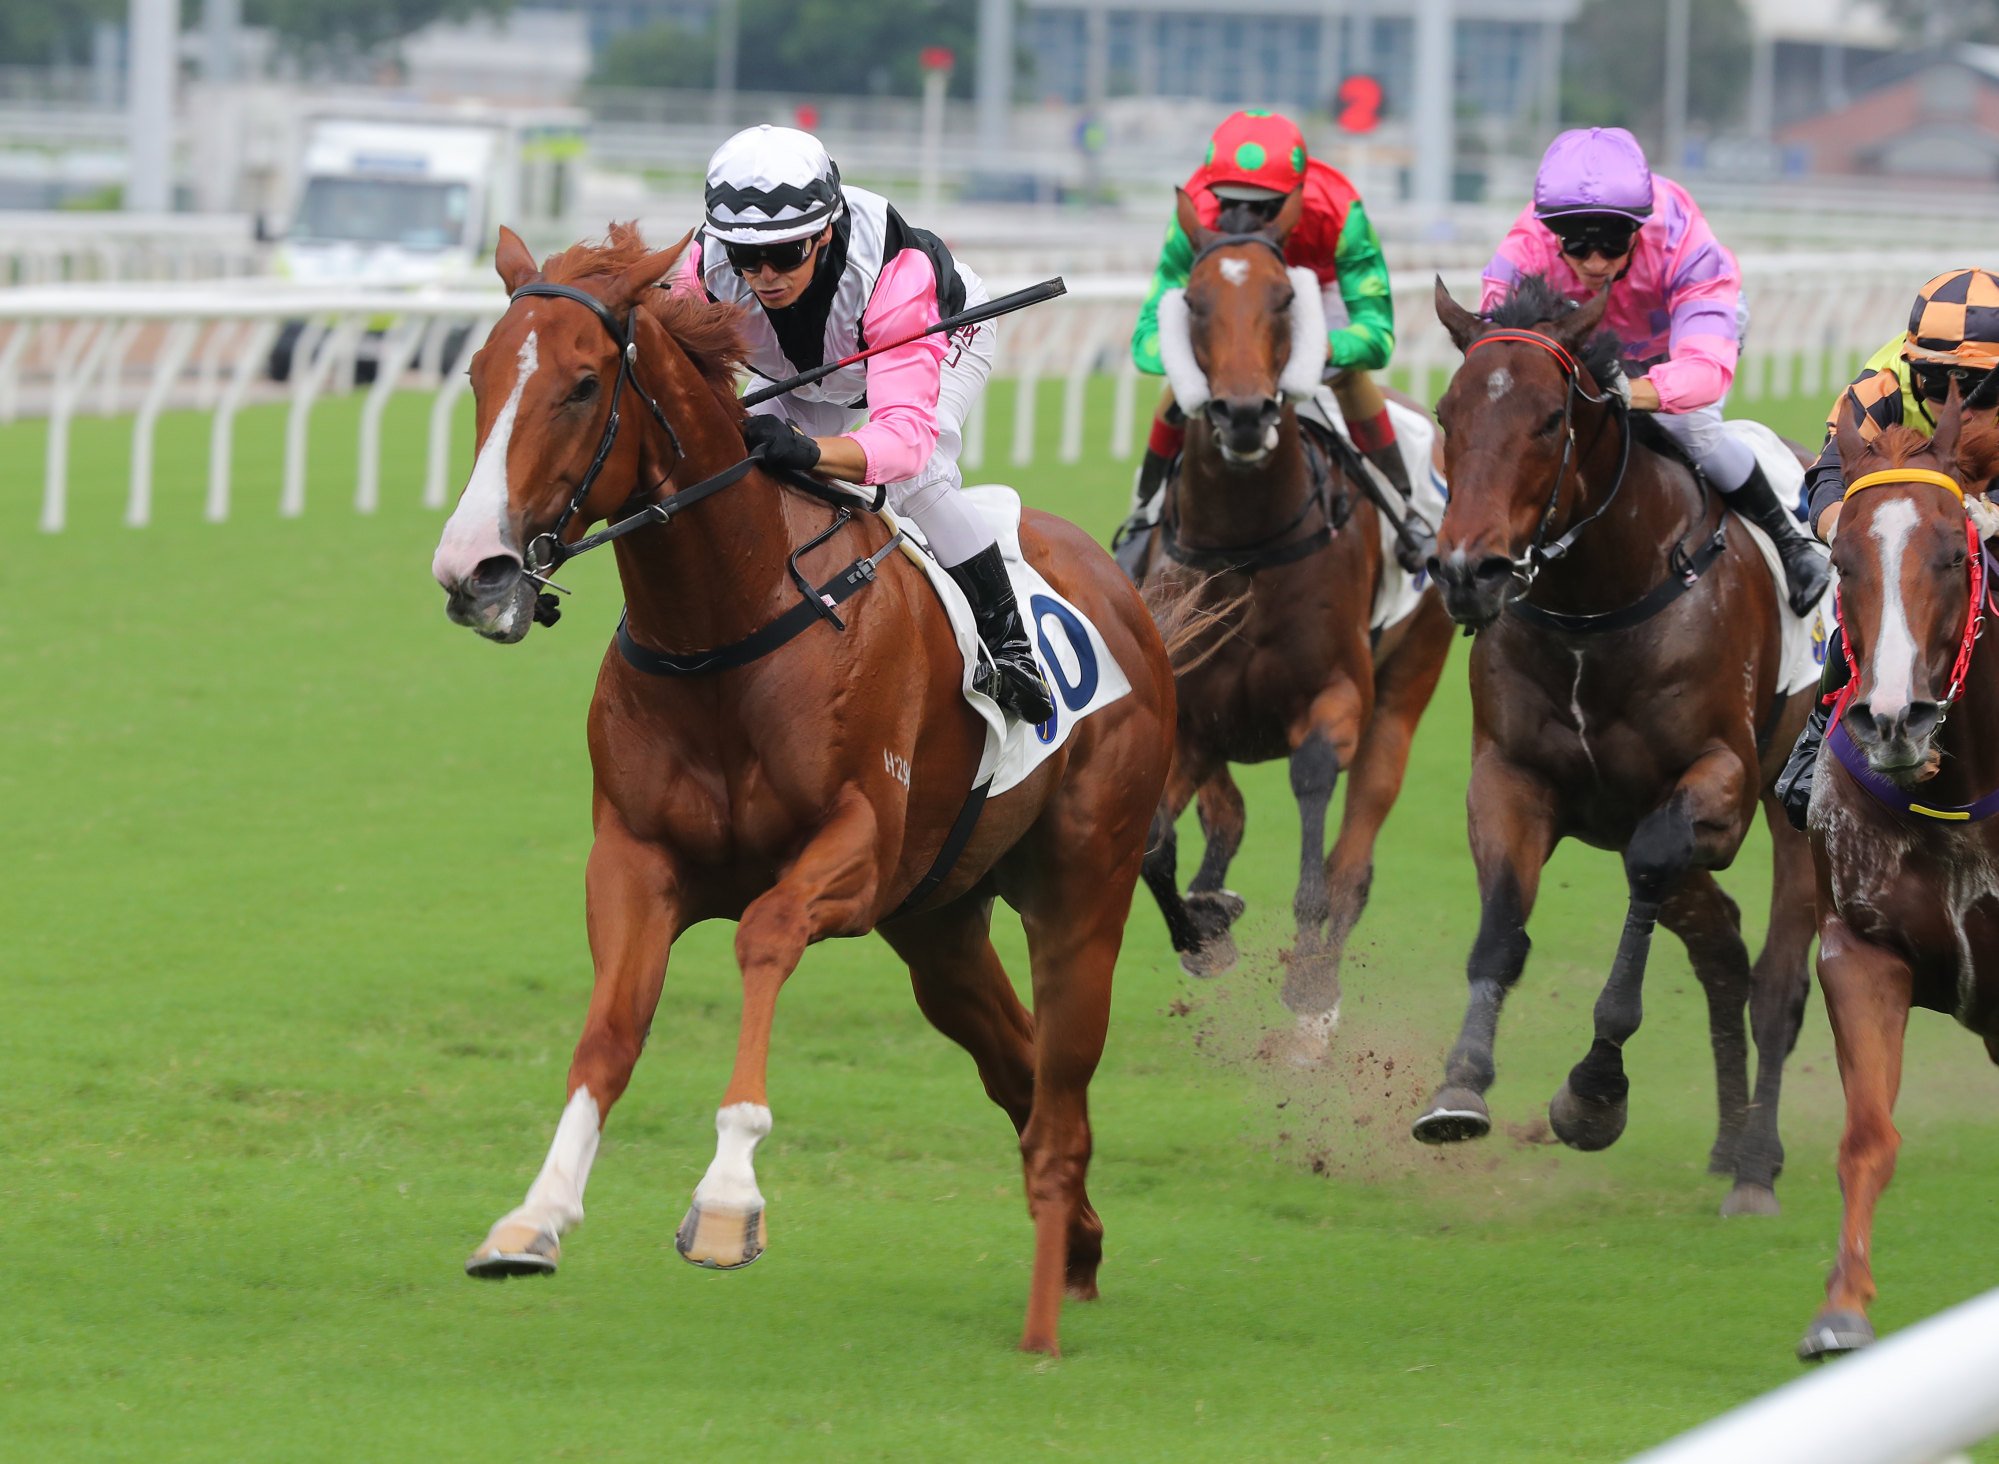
(1894, 659)
(1235, 271)
(1498, 384)
(479, 527)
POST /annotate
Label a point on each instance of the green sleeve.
(1176, 258)
(1368, 338)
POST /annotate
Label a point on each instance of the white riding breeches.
(930, 497)
(1725, 458)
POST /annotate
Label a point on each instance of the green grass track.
(292, 958)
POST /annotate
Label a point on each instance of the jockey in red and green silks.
(1254, 161)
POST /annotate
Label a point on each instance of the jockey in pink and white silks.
(1600, 217)
(824, 270)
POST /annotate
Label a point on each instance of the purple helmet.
(1595, 170)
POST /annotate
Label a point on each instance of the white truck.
(416, 196)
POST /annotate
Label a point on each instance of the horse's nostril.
(1921, 719)
(1493, 567)
(495, 573)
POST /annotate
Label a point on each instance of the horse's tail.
(1192, 630)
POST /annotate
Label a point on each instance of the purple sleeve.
(1706, 293)
(901, 430)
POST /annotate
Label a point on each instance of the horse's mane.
(1977, 449)
(1534, 301)
(708, 331)
(1241, 217)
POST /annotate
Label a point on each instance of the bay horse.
(803, 792)
(1282, 558)
(1901, 827)
(1599, 713)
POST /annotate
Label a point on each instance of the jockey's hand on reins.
(783, 444)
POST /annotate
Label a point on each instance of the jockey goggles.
(1933, 381)
(1605, 235)
(783, 257)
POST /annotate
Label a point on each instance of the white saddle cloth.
(1804, 636)
(1069, 649)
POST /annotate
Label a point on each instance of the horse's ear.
(1460, 322)
(1573, 329)
(513, 261)
(1288, 215)
(1846, 434)
(1950, 425)
(1198, 234)
(647, 272)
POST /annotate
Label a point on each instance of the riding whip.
(1005, 305)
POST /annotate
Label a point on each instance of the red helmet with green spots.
(1260, 151)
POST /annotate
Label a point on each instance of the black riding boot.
(1806, 570)
(1794, 784)
(1128, 544)
(1021, 691)
(1415, 541)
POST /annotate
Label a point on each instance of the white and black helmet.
(770, 184)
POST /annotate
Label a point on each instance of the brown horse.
(1902, 834)
(1598, 714)
(803, 793)
(1285, 569)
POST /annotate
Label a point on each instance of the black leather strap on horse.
(760, 643)
(947, 857)
(1265, 553)
(1684, 576)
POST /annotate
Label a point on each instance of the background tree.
(1614, 66)
(827, 47)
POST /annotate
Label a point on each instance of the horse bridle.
(1974, 620)
(1538, 553)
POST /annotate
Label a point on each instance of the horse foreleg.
(632, 921)
(1867, 994)
(1778, 985)
(1161, 868)
(963, 989)
(1323, 744)
(1512, 834)
(1212, 907)
(830, 888)
(1708, 923)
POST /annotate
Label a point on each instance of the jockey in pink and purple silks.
(1601, 219)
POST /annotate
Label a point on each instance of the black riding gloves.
(784, 446)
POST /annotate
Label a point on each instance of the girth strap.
(1686, 574)
(947, 857)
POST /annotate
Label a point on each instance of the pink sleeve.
(1704, 297)
(1524, 251)
(901, 430)
(686, 276)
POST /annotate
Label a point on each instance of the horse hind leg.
(1161, 869)
(1214, 907)
(1708, 923)
(963, 990)
(632, 922)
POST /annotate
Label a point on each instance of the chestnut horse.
(1901, 823)
(1598, 713)
(1285, 569)
(803, 792)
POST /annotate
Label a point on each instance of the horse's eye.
(584, 391)
(1548, 427)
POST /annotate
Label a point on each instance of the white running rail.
(1916, 1398)
(148, 348)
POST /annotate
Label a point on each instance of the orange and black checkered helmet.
(1955, 322)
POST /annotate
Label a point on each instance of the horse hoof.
(1751, 1199)
(1215, 909)
(720, 1239)
(1306, 1043)
(1214, 956)
(1456, 1114)
(1834, 1333)
(515, 1248)
(1585, 1123)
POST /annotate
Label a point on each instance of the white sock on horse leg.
(555, 1199)
(731, 1179)
(955, 532)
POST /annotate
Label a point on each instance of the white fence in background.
(51, 248)
(74, 350)
(1916, 1398)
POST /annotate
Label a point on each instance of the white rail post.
(398, 346)
(173, 356)
(449, 390)
(11, 356)
(1124, 402)
(77, 358)
(113, 377)
(307, 380)
(221, 432)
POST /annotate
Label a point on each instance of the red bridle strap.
(1530, 338)
(1974, 626)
